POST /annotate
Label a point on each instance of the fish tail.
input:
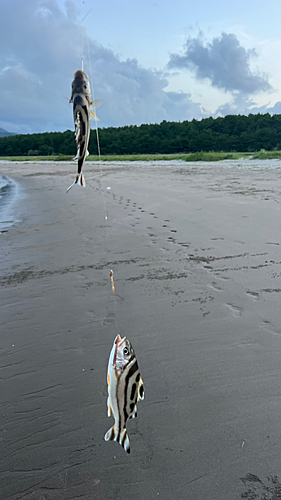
(124, 440)
(111, 434)
(80, 179)
(122, 437)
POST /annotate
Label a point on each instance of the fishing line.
(101, 187)
(82, 40)
(93, 96)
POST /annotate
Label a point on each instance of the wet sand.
(195, 251)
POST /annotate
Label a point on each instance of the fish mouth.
(118, 342)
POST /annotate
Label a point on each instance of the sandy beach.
(195, 251)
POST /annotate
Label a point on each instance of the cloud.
(242, 105)
(134, 94)
(37, 65)
(223, 61)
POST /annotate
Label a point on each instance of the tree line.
(228, 134)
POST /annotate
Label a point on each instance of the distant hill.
(5, 133)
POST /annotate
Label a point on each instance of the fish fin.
(109, 411)
(140, 390)
(135, 412)
(77, 157)
(124, 440)
(111, 434)
(97, 103)
(94, 115)
(69, 188)
(80, 180)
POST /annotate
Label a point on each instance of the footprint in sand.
(209, 268)
(236, 311)
(269, 327)
(222, 278)
(253, 295)
(187, 245)
(214, 286)
(109, 319)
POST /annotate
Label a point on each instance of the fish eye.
(125, 351)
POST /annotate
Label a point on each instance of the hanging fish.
(82, 102)
(125, 388)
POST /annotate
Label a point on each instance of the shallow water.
(8, 194)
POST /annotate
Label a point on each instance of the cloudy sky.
(148, 60)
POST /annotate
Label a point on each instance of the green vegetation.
(192, 157)
(267, 155)
(208, 139)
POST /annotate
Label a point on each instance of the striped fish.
(125, 388)
(82, 101)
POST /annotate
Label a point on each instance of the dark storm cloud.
(39, 58)
(223, 61)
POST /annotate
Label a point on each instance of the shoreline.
(9, 194)
(196, 261)
(196, 157)
(242, 162)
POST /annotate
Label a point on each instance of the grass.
(36, 158)
(190, 157)
(200, 156)
(267, 155)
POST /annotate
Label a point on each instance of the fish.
(125, 389)
(81, 99)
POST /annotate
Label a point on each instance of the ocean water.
(8, 194)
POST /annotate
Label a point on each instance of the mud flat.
(195, 251)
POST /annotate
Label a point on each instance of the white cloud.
(224, 61)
